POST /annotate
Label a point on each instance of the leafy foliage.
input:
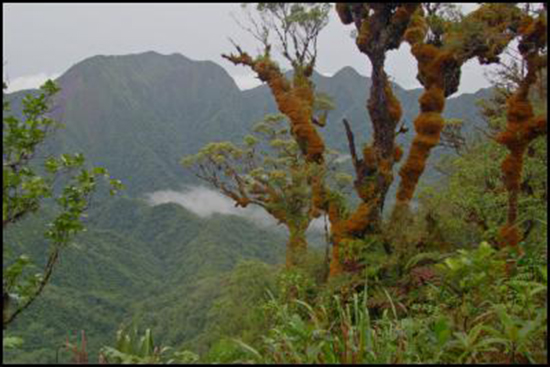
(24, 190)
(347, 331)
(113, 274)
(295, 28)
(132, 348)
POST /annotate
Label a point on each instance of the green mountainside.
(135, 262)
(137, 115)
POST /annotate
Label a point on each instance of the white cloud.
(29, 81)
(328, 75)
(318, 224)
(246, 81)
(342, 158)
(200, 200)
(205, 202)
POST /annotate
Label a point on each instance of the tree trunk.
(296, 249)
(385, 112)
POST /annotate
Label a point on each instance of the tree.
(380, 28)
(441, 40)
(475, 202)
(441, 45)
(522, 124)
(267, 170)
(295, 29)
(469, 204)
(27, 182)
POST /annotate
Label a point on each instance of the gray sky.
(44, 40)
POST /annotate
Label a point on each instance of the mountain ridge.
(153, 109)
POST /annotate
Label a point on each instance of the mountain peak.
(140, 57)
(347, 72)
(146, 69)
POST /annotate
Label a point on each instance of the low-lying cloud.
(342, 158)
(250, 81)
(29, 81)
(246, 81)
(205, 202)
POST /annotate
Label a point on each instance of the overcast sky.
(44, 40)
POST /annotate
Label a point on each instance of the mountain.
(138, 114)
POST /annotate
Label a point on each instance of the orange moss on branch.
(428, 124)
(484, 33)
(346, 229)
(510, 235)
(436, 68)
(360, 219)
(522, 126)
(369, 157)
(380, 28)
(394, 107)
(433, 101)
(439, 73)
(403, 14)
(295, 100)
(417, 28)
(351, 227)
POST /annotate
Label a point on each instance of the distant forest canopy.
(434, 248)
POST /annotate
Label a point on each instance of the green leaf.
(12, 342)
(249, 349)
